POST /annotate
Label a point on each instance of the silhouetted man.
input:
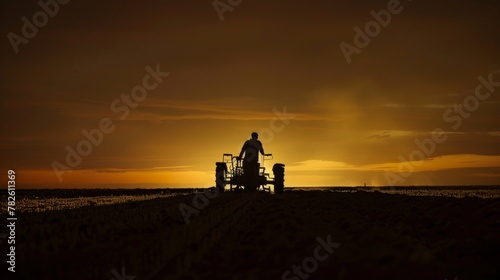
(251, 148)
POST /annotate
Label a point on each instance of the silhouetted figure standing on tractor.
(247, 173)
(251, 149)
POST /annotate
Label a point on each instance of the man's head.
(255, 135)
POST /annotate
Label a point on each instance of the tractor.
(230, 171)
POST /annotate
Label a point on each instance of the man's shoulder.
(258, 143)
(253, 142)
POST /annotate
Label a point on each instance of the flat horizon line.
(291, 187)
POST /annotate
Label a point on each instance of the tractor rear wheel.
(279, 177)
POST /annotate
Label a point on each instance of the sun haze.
(151, 94)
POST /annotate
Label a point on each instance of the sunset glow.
(74, 114)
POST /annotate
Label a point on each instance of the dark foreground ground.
(295, 235)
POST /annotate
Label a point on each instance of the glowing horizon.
(156, 93)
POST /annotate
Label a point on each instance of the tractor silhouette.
(230, 172)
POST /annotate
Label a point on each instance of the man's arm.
(261, 148)
(243, 149)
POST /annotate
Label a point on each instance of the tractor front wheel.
(220, 175)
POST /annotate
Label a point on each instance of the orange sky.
(345, 123)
